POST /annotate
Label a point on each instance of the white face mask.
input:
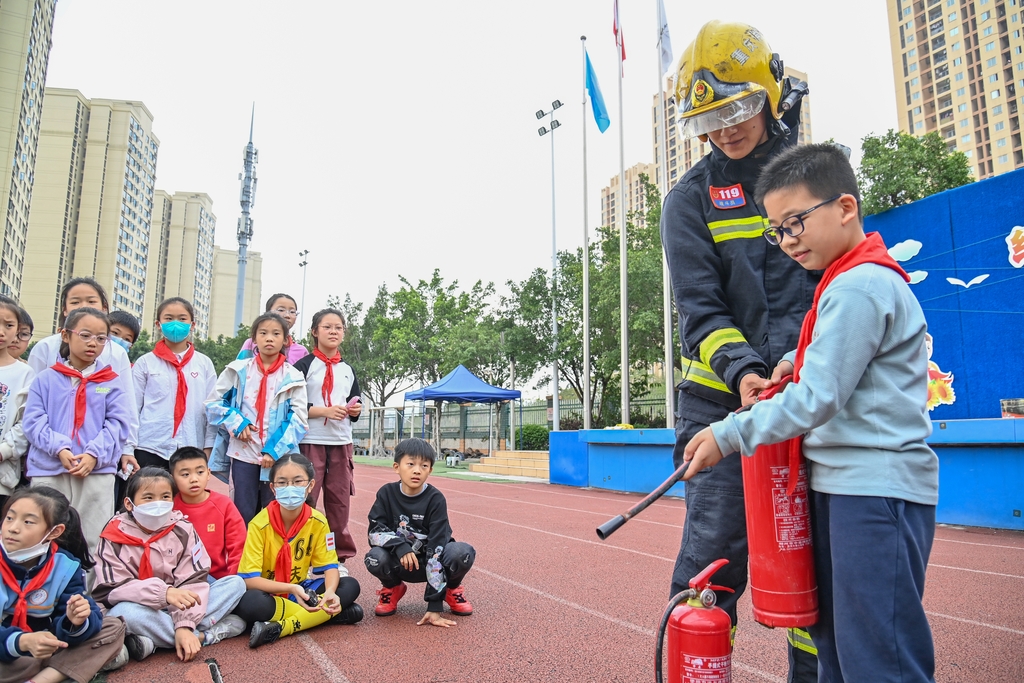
(153, 515)
(26, 554)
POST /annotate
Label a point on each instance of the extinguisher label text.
(706, 669)
(792, 514)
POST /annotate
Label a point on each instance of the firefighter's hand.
(701, 452)
(781, 370)
(751, 385)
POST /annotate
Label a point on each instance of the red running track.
(553, 603)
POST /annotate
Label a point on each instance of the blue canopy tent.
(462, 386)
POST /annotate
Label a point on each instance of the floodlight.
(542, 130)
(540, 113)
(556, 104)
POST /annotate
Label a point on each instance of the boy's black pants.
(456, 558)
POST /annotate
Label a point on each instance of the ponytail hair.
(57, 510)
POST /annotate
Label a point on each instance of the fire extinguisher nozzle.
(610, 527)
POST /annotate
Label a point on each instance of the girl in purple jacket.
(76, 420)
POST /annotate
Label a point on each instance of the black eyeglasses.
(792, 226)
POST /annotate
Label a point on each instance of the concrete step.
(510, 470)
(522, 455)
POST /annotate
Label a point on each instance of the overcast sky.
(398, 137)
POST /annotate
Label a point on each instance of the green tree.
(372, 348)
(222, 350)
(143, 345)
(898, 168)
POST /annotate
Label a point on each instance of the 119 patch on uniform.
(731, 197)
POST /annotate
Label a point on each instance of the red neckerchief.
(163, 352)
(261, 396)
(114, 534)
(329, 363)
(20, 618)
(104, 375)
(283, 564)
(870, 250)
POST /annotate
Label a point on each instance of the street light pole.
(554, 264)
(302, 305)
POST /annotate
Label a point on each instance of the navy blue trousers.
(249, 494)
(872, 625)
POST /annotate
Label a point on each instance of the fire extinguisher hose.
(612, 525)
(672, 604)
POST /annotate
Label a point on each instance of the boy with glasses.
(859, 405)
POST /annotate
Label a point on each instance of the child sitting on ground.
(63, 634)
(213, 515)
(411, 540)
(859, 395)
(152, 573)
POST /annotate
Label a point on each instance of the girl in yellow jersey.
(285, 541)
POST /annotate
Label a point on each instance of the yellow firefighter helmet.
(724, 78)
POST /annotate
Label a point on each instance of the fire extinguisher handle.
(720, 588)
(772, 390)
(703, 580)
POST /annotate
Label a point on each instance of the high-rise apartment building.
(635, 197)
(92, 205)
(26, 28)
(959, 70)
(225, 284)
(182, 265)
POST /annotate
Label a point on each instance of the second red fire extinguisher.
(783, 588)
(699, 634)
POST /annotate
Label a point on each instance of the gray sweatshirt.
(861, 399)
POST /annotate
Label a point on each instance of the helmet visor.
(729, 114)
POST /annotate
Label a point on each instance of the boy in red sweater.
(214, 516)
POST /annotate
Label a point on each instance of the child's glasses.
(792, 226)
(293, 482)
(87, 337)
(286, 311)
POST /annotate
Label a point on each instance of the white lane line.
(984, 545)
(332, 673)
(975, 623)
(975, 571)
(650, 633)
(570, 538)
(555, 492)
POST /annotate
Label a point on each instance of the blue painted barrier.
(981, 466)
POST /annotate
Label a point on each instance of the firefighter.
(740, 300)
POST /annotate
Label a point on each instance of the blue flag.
(597, 99)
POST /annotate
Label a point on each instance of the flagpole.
(623, 247)
(666, 282)
(586, 256)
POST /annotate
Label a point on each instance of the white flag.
(664, 40)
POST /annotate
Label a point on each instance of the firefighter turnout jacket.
(741, 300)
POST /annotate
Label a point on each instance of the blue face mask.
(121, 342)
(175, 331)
(290, 497)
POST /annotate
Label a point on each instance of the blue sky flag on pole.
(597, 99)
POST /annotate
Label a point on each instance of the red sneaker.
(387, 601)
(457, 602)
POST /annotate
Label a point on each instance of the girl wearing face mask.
(284, 543)
(172, 384)
(54, 629)
(153, 574)
(76, 419)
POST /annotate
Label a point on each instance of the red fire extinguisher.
(783, 588)
(699, 634)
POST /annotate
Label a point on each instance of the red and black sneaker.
(387, 600)
(457, 602)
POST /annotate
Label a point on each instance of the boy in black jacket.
(411, 540)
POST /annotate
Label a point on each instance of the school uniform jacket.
(47, 352)
(285, 419)
(346, 387)
(741, 301)
(49, 420)
(156, 386)
(178, 559)
(47, 606)
(15, 381)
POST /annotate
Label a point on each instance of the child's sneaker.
(352, 614)
(264, 633)
(117, 662)
(457, 602)
(387, 601)
(228, 627)
(139, 647)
